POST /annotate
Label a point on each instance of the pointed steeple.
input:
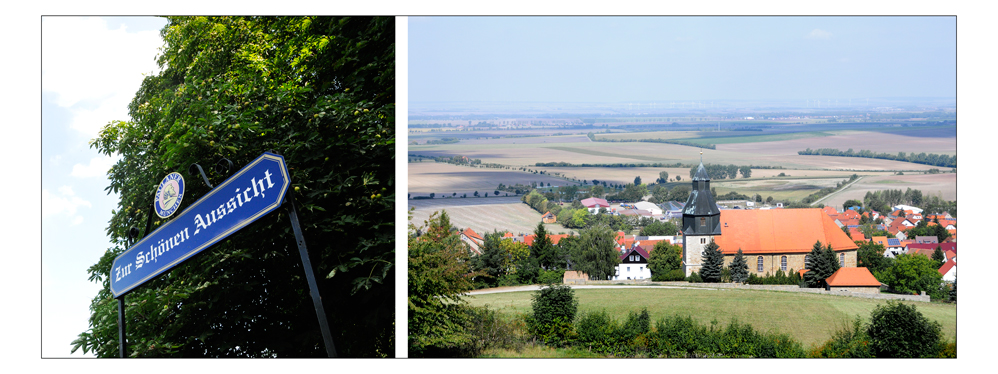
(701, 215)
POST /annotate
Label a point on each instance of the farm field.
(807, 173)
(484, 214)
(445, 179)
(809, 318)
(782, 153)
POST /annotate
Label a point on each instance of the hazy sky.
(87, 81)
(616, 59)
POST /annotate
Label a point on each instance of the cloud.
(819, 34)
(65, 203)
(84, 62)
(98, 167)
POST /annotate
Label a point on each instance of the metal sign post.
(313, 287)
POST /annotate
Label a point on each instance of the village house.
(594, 204)
(473, 239)
(633, 265)
(853, 279)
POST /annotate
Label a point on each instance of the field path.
(837, 191)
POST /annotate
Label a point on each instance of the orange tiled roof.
(849, 221)
(882, 240)
(856, 234)
(472, 234)
(829, 210)
(779, 231)
(845, 277)
(529, 239)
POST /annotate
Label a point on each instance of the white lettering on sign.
(241, 197)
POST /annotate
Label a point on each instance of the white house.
(653, 208)
(915, 209)
(633, 265)
(593, 204)
(948, 270)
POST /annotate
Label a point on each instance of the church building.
(770, 240)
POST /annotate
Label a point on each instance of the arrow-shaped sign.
(246, 196)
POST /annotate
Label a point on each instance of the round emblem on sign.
(169, 194)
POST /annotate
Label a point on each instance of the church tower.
(701, 221)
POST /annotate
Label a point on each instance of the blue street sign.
(246, 196)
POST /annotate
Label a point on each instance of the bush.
(550, 276)
(900, 330)
(678, 336)
(554, 309)
(848, 342)
(597, 331)
(694, 278)
(490, 330)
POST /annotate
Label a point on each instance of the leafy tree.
(912, 274)
(852, 203)
(663, 176)
(432, 195)
(637, 180)
(900, 330)
(498, 257)
(320, 92)
(664, 258)
(739, 268)
(597, 191)
(659, 228)
(746, 171)
(871, 256)
(595, 253)
(713, 262)
(439, 273)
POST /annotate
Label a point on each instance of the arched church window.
(783, 263)
(760, 264)
(842, 260)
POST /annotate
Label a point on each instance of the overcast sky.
(616, 59)
(86, 83)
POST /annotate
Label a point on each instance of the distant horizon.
(675, 58)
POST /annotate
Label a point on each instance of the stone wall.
(766, 287)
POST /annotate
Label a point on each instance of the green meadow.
(809, 318)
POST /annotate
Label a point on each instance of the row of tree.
(920, 158)
(717, 171)
(593, 137)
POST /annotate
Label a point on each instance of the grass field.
(810, 318)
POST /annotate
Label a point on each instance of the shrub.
(694, 278)
(900, 330)
(550, 276)
(675, 275)
(554, 310)
(597, 331)
(678, 336)
(848, 342)
(490, 330)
